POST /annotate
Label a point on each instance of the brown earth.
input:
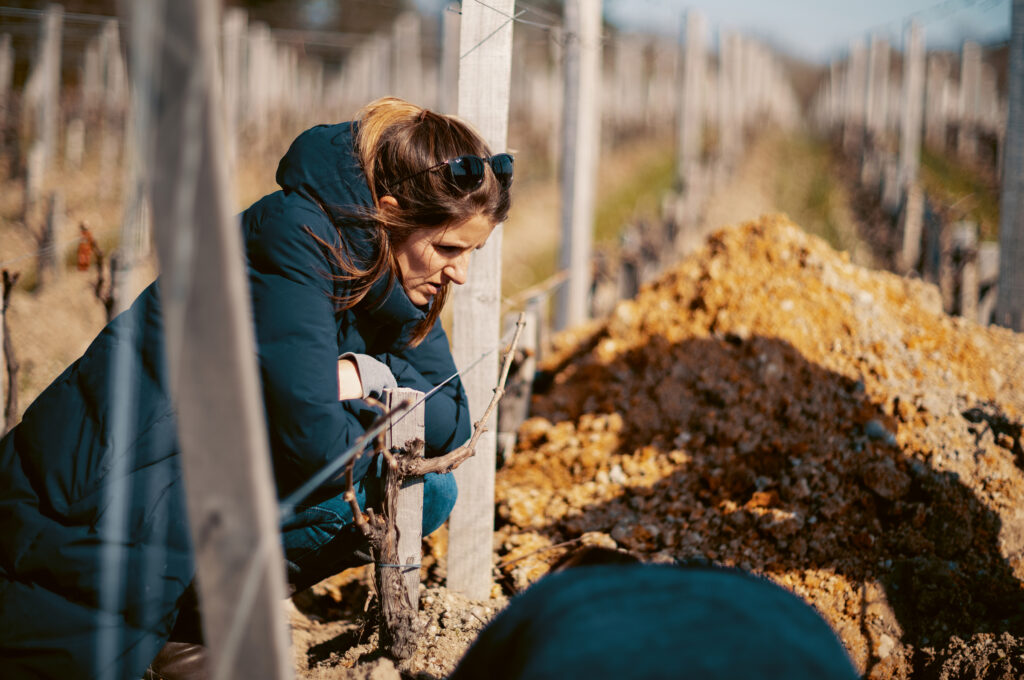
(769, 405)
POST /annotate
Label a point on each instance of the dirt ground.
(771, 406)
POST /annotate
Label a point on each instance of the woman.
(349, 266)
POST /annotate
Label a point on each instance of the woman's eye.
(449, 250)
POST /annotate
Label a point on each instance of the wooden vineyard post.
(913, 222)
(946, 272)
(965, 250)
(114, 93)
(234, 45)
(47, 113)
(581, 136)
(485, 69)
(877, 93)
(970, 78)
(1010, 301)
(448, 85)
(50, 261)
(728, 129)
(936, 86)
(988, 277)
(406, 58)
(409, 517)
(208, 330)
(691, 105)
(6, 74)
(912, 106)
(856, 82)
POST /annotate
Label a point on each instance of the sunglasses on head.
(467, 172)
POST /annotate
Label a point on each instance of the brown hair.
(395, 142)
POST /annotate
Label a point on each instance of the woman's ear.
(388, 203)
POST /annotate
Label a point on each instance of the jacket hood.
(322, 165)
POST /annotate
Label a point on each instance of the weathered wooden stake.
(232, 506)
(856, 83)
(48, 113)
(409, 511)
(913, 222)
(34, 168)
(988, 280)
(580, 148)
(485, 70)
(50, 256)
(448, 88)
(936, 94)
(112, 131)
(74, 144)
(691, 105)
(406, 57)
(6, 73)
(877, 91)
(234, 27)
(947, 280)
(1010, 305)
(970, 78)
(912, 106)
(965, 249)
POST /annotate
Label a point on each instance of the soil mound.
(771, 406)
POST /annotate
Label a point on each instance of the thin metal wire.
(68, 16)
(516, 18)
(491, 34)
(399, 566)
(542, 291)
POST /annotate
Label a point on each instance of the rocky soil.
(771, 406)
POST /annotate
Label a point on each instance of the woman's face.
(430, 258)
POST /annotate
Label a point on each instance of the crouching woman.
(349, 266)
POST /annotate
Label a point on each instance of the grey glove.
(374, 375)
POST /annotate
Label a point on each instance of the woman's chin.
(418, 297)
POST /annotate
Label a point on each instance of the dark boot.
(179, 661)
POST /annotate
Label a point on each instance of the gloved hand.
(374, 375)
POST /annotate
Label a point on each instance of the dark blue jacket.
(94, 542)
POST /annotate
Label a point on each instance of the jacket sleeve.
(424, 367)
(297, 347)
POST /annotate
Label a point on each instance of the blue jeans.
(321, 540)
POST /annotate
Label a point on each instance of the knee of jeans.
(439, 494)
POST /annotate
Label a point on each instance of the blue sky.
(821, 30)
(818, 31)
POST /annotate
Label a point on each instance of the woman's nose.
(457, 269)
